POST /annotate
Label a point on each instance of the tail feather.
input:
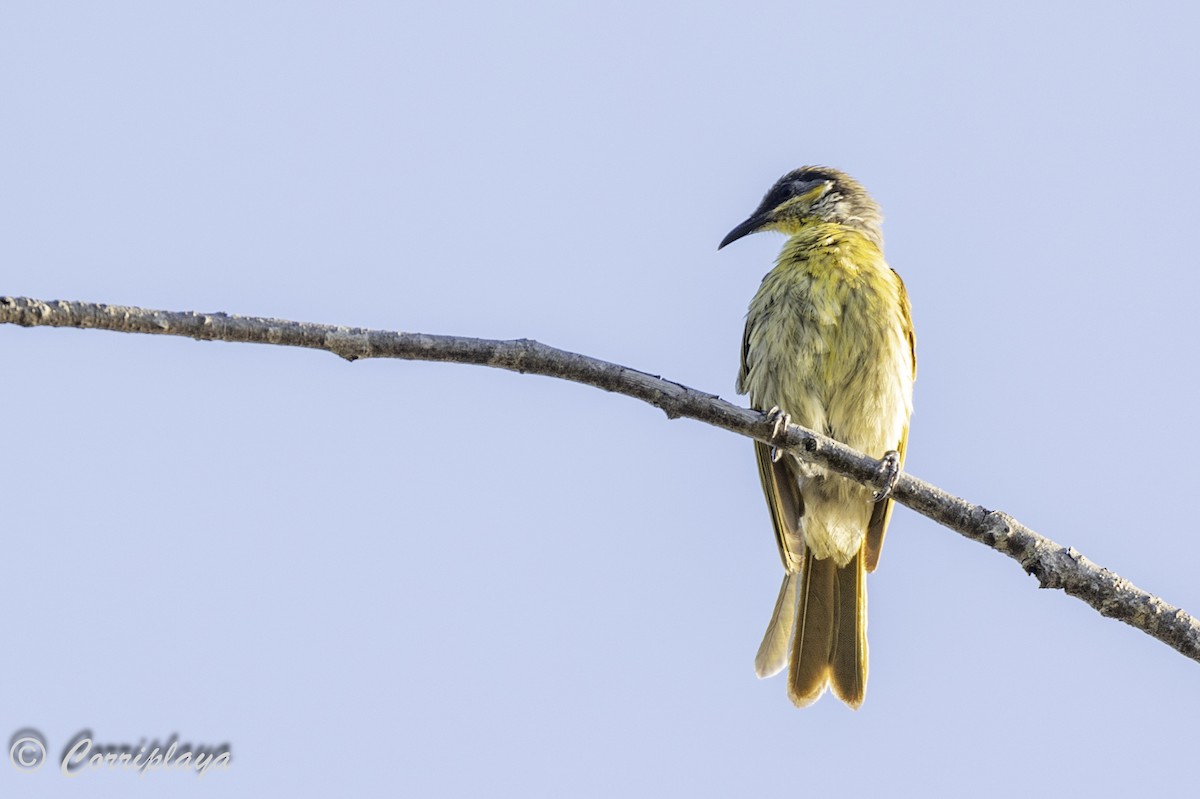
(822, 612)
(848, 663)
(772, 654)
(816, 623)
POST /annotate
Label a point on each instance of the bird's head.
(813, 195)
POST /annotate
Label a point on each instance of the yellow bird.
(828, 345)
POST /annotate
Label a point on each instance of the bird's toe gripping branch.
(780, 420)
(888, 474)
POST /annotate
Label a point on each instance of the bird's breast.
(827, 342)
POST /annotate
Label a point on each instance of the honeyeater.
(829, 345)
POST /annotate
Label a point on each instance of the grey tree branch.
(1055, 566)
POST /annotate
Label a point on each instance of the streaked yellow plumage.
(828, 342)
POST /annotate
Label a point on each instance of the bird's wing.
(780, 483)
(781, 486)
(906, 311)
(744, 368)
(882, 514)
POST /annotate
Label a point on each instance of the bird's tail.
(823, 611)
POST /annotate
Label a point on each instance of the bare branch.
(1055, 566)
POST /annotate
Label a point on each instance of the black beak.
(751, 225)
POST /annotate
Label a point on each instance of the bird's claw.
(888, 474)
(780, 422)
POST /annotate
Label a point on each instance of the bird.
(828, 345)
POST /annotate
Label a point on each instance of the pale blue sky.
(416, 579)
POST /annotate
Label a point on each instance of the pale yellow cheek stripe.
(794, 225)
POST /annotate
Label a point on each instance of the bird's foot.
(888, 474)
(780, 420)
